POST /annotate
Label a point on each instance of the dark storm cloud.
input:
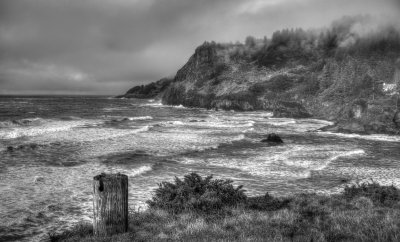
(103, 46)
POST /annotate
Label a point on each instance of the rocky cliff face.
(298, 74)
(212, 79)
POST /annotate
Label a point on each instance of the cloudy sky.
(108, 46)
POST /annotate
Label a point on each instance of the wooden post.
(110, 204)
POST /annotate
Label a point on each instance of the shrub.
(195, 193)
(380, 195)
(311, 84)
(267, 203)
(363, 203)
(277, 84)
(218, 70)
(310, 206)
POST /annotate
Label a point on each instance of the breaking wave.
(21, 122)
(49, 127)
(374, 137)
(140, 118)
(131, 172)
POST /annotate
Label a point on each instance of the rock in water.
(273, 138)
(38, 179)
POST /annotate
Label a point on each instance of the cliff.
(337, 74)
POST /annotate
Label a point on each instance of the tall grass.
(363, 212)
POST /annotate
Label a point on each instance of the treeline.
(356, 36)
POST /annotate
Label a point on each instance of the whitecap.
(318, 121)
(21, 122)
(153, 104)
(140, 118)
(239, 137)
(179, 106)
(131, 172)
(248, 130)
(111, 109)
(310, 157)
(176, 122)
(376, 137)
(342, 154)
(50, 127)
(285, 162)
(280, 122)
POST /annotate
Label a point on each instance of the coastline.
(349, 127)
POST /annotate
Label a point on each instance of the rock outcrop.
(273, 138)
(296, 74)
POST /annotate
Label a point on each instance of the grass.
(363, 212)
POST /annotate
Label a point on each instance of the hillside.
(348, 73)
(148, 91)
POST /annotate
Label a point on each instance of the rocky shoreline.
(356, 87)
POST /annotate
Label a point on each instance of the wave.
(71, 118)
(216, 146)
(296, 162)
(153, 104)
(21, 122)
(210, 124)
(169, 123)
(95, 137)
(239, 137)
(50, 127)
(349, 153)
(102, 134)
(131, 172)
(178, 106)
(374, 137)
(335, 157)
(140, 118)
(280, 122)
(111, 109)
(115, 119)
(318, 121)
(312, 158)
(225, 124)
(140, 171)
(248, 130)
(142, 129)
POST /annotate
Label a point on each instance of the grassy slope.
(367, 212)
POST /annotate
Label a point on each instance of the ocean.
(52, 146)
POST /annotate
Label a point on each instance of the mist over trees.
(356, 36)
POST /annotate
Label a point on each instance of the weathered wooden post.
(110, 204)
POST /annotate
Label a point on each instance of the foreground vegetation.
(206, 209)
